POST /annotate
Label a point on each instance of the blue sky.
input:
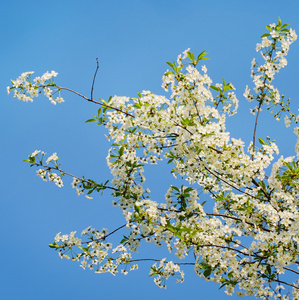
(133, 40)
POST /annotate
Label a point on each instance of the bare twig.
(114, 231)
(94, 79)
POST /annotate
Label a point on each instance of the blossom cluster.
(36, 158)
(25, 89)
(164, 271)
(50, 173)
(273, 49)
(96, 254)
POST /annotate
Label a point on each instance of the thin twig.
(291, 270)
(114, 231)
(255, 126)
(94, 79)
(96, 102)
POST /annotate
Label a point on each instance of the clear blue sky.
(133, 40)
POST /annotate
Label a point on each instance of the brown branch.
(288, 284)
(291, 270)
(90, 100)
(105, 236)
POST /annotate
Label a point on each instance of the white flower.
(54, 74)
(274, 34)
(75, 182)
(287, 121)
(185, 53)
(293, 35)
(36, 152)
(258, 47)
(52, 157)
(42, 174)
(59, 100)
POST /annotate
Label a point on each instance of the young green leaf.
(90, 120)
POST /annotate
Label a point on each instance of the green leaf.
(222, 285)
(269, 270)
(170, 64)
(215, 88)
(207, 272)
(230, 274)
(121, 151)
(261, 141)
(227, 87)
(137, 105)
(279, 22)
(268, 27)
(284, 25)
(90, 120)
(190, 55)
(265, 35)
(187, 122)
(84, 249)
(201, 56)
(124, 240)
(167, 73)
(54, 245)
(175, 188)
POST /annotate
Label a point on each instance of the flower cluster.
(50, 169)
(164, 271)
(25, 89)
(273, 49)
(96, 254)
(36, 158)
(77, 184)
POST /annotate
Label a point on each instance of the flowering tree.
(249, 241)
